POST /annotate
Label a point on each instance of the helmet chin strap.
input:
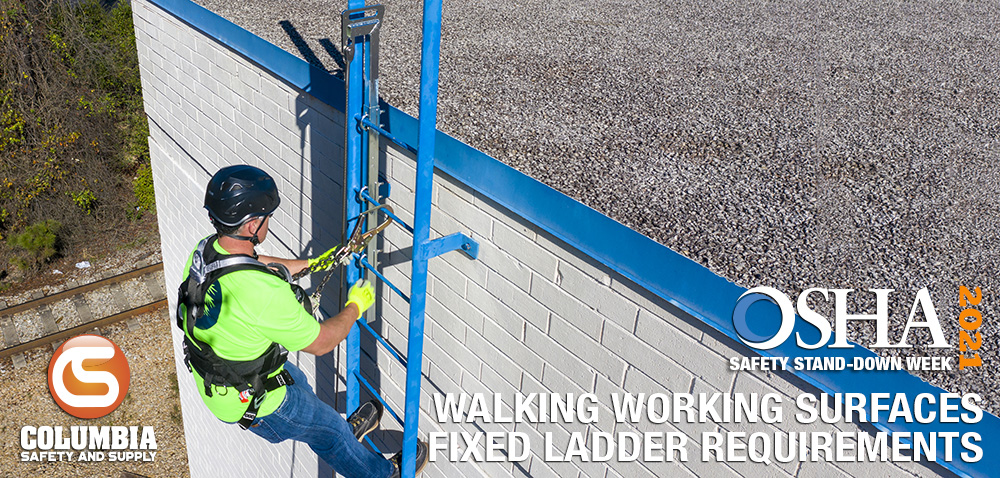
(252, 238)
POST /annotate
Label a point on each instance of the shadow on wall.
(321, 153)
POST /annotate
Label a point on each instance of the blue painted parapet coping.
(671, 276)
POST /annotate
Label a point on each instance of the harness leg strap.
(273, 383)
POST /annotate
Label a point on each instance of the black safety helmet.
(239, 193)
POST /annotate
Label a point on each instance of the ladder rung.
(381, 277)
(372, 444)
(379, 337)
(368, 124)
(379, 397)
(393, 216)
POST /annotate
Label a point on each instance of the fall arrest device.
(356, 244)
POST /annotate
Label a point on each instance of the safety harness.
(248, 377)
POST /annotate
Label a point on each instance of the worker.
(241, 315)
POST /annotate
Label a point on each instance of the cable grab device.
(365, 187)
(357, 243)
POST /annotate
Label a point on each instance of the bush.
(40, 242)
(145, 200)
(84, 200)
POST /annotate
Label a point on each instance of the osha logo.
(822, 324)
(88, 376)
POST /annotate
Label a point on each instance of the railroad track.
(51, 319)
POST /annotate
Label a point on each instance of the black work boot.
(397, 460)
(365, 418)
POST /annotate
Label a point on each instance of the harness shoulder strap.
(208, 266)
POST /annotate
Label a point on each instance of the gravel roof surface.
(841, 144)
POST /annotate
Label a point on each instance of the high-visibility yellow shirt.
(246, 311)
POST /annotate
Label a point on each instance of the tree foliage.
(72, 129)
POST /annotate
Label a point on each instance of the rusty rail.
(87, 326)
(79, 329)
(69, 293)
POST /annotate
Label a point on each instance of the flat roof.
(844, 144)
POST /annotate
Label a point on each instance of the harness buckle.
(187, 355)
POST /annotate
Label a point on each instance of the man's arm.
(334, 330)
(293, 265)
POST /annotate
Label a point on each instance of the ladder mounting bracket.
(451, 242)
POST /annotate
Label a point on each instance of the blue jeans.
(304, 417)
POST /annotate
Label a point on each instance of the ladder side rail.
(353, 105)
(361, 150)
(430, 51)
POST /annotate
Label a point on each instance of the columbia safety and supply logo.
(88, 376)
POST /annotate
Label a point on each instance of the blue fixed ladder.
(362, 189)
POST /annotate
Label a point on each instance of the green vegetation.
(143, 189)
(84, 200)
(73, 133)
(39, 243)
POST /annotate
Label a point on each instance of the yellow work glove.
(362, 294)
(321, 258)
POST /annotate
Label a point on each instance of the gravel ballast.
(153, 397)
(792, 144)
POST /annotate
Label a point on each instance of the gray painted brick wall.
(532, 314)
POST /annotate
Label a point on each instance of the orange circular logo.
(88, 376)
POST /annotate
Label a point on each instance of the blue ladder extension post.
(429, 59)
(352, 182)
